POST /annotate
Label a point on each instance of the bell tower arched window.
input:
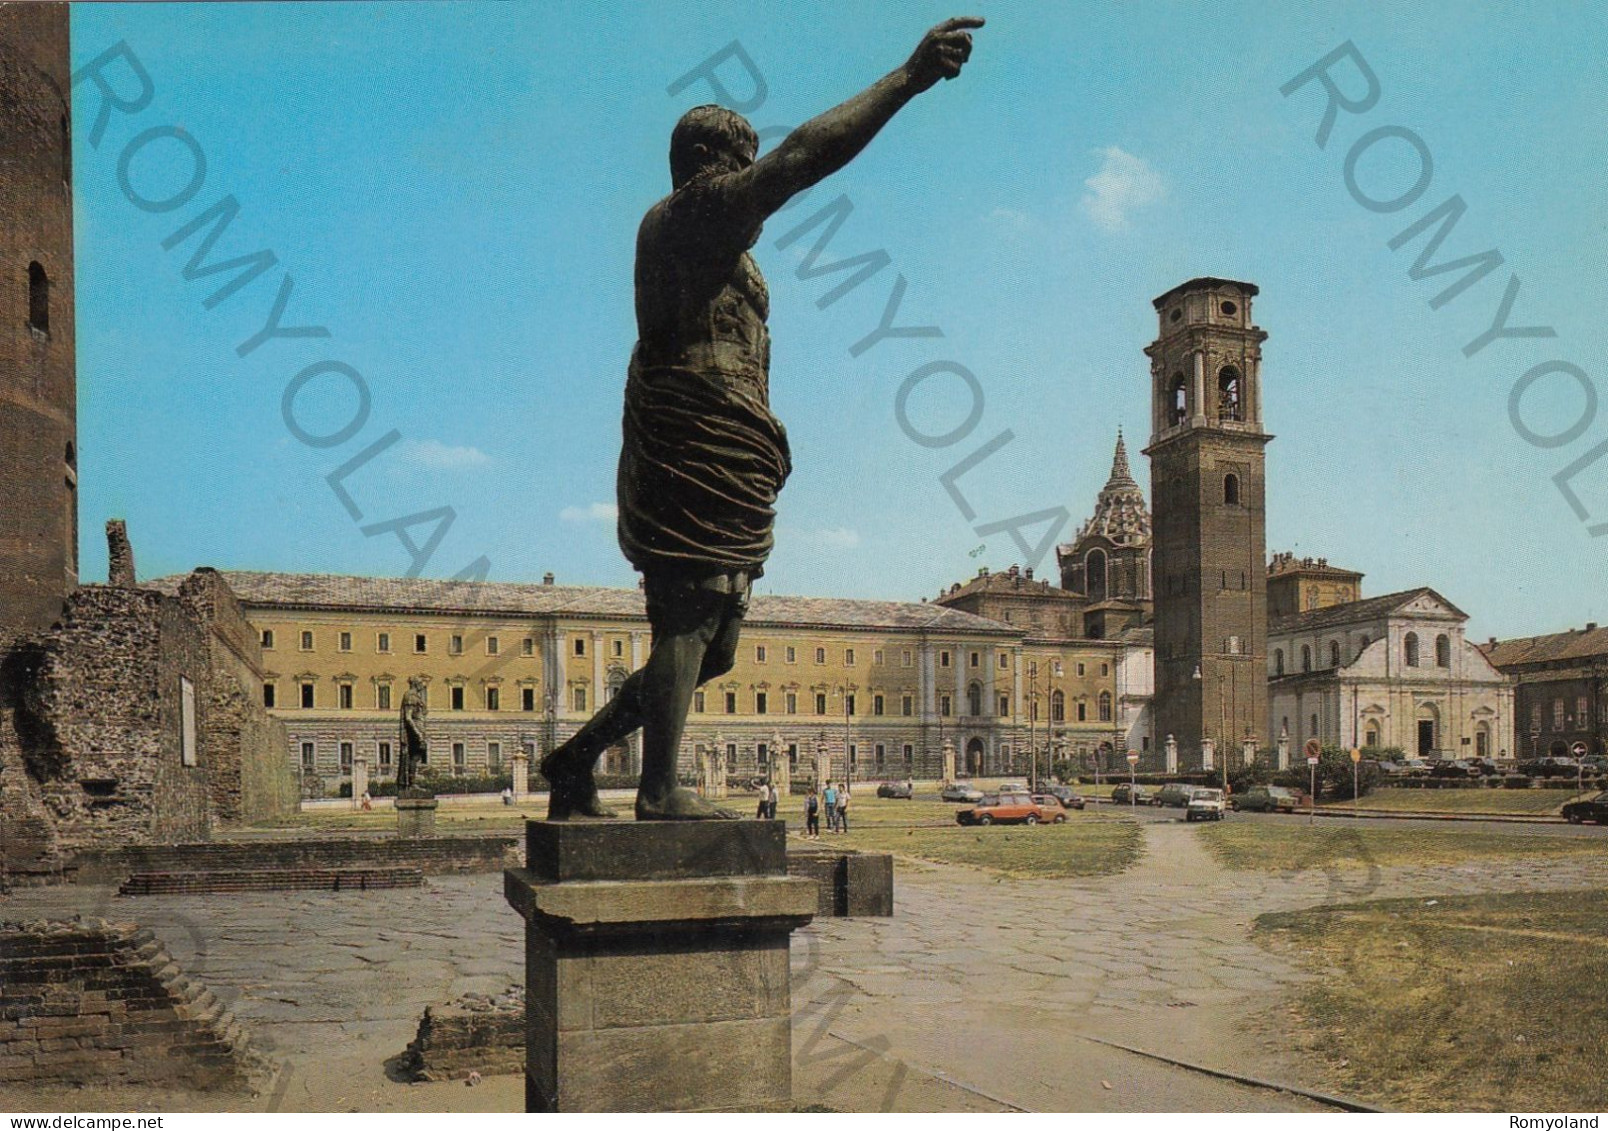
(1443, 651)
(1230, 395)
(1409, 647)
(1231, 490)
(1180, 400)
(1094, 575)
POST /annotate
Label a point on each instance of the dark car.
(902, 790)
(1551, 768)
(1065, 795)
(1487, 767)
(1268, 799)
(1594, 809)
(1454, 768)
(1174, 796)
(1596, 764)
(1126, 794)
(961, 792)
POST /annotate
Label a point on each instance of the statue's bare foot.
(681, 804)
(573, 792)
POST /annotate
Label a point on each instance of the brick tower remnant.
(119, 556)
(38, 414)
(1208, 493)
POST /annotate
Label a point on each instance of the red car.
(1011, 809)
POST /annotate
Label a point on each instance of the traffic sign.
(1313, 749)
(1578, 750)
(1312, 759)
(1133, 757)
(1356, 755)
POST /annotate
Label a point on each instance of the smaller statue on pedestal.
(415, 710)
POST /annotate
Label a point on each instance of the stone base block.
(415, 816)
(656, 965)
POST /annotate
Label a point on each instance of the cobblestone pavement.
(977, 995)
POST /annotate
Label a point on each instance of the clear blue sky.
(455, 190)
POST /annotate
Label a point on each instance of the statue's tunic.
(703, 459)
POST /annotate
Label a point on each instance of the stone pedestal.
(521, 773)
(656, 965)
(1208, 754)
(781, 772)
(1172, 755)
(359, 781)
(415, 816)
(823, 767)
(949, 761)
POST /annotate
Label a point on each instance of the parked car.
(902, 790)
(1067, 796)
(1593, 809)
(1487, 767)
(1173, 796)
(1012, 787)
(1454, 768)
(1406, 768)
(1269, 799)
(1596, 764)
(1008, 809)
(961, 792)
(1204, 805)
(1126, 794)
(1551, 767)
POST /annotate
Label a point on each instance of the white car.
(1205, 805)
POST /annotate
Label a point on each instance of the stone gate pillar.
(521, 773)
(360, 781)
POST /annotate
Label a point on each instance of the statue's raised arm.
(829, 141)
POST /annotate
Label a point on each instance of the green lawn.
(1478, 1003)
(1278, 846)
(1088, 844)
(1517, 801)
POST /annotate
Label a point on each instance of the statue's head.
(416, 684)
(710, 138)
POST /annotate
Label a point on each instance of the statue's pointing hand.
(942, 51)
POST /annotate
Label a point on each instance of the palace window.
(943, 659)
(876, 704)
(460, 760)
(791, 654)
(974, 699)
(267, 638)
(455, 645)
(880, 755)
(1057, 707)
(848, 657)
(307, 696)
(420, 644)
(346, 757)
(876, 657)
(309, 758)
(268, 694)
(698, 701)
(345, 696)
(579, 698)
(1557, 714)
(731, 756)
(494, 756)
(493, 699)
(1443, 651)
(944, 706)
(1105, 669)
(619, 649)
(907, 705)
(1410, 648)
(1004, 661)
(1083, 711)
(580, 645)
(527, 647)
(457, 698)
(1004, 705)
(1278, 661)
(527, 698)
(1580, 713)
(731, 702)
(492, 645)
(1105, 706)
(385, 756)
(906, 658)
(792, 755)
(383, 642)
(1306, 657)
(909, 754)
(306, 641)
(820, 702)
(759, 653)
(346, 642)
(820, 655)
(848, 704)
(382, 697)
(761, 703)
(1334, 653)
(791, 702)
(976, 659)
(854, 756)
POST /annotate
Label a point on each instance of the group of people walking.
(834, 801)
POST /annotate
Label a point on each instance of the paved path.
(977, 995)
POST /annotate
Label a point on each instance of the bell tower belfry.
(1208, 502)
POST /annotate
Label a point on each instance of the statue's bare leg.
(679, 663)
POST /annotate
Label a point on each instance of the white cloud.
(839, 537)
(592, 512)
(1011, 220)
(441, 457)
(1123, 185)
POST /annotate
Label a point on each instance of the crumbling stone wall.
(249, 771)
(100, 723)
(476, 1033)
(93, 1002)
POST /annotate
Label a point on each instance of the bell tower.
(1208, 501)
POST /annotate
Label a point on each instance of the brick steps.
(275, 879)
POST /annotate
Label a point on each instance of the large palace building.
(882, 686)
